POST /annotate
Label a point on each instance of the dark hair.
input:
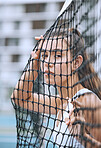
(86, 73)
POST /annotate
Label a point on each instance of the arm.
(24, 86)
(36, 102)
(23, 96)
(41, 103)
(93, 116)
(89, 101)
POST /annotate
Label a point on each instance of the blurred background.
(20, 22)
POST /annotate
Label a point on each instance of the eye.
(58, 55)
(44, 55)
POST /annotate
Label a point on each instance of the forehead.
(54, 43)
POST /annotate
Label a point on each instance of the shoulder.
(91, 100)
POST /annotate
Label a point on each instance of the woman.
(65, 65)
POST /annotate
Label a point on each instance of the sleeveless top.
(61, 134)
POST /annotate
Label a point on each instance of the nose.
(49, 62)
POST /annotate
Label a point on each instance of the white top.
(61, 133)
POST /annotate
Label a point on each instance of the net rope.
(57, 99)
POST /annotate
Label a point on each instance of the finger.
(77, 118)
(41, 41)
(71, 111)
(38, 38)
(97, 143)
(74, 119)
(67, 121)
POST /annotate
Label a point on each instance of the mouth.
(46, 73)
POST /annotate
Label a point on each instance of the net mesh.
(57, 99)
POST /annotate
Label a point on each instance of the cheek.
(61, 69)
(69, 68)
(57, 69)
(66, 69)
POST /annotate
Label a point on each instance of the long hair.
(86, 73)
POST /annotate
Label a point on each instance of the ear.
(77, 63)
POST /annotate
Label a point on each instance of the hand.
(80, 117)
(36, 55)
(62, 110)
(72, 118)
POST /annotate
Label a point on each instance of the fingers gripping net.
(57, 99)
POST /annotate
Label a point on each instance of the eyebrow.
(53, 50)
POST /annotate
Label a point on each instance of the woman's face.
(55, 63)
